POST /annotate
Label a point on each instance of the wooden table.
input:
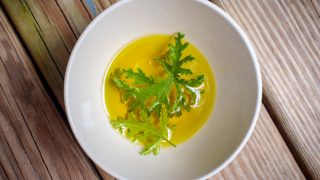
(37, 36)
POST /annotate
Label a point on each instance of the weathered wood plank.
(35, 141)
(3, 174)
(286, 36)
(265, 156)
(50, 30)
(76, 14)
(104, 4)
(8, 162)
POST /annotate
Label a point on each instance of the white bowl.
(230, 55)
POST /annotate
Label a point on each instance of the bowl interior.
(235, 70)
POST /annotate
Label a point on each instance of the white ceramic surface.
(230, 55)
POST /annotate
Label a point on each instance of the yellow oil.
(140, 54)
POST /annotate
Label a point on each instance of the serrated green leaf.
(144, 131)
(165, 96)
(151, 94)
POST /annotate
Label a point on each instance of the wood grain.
(265, 156)
(255, 161)
(50, 30)
(286, 36)
(35, 141)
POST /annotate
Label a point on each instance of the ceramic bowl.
(230, 56)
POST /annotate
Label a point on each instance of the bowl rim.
(231, 22)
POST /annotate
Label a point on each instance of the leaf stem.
(168, 141)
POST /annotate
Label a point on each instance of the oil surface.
(140, 54)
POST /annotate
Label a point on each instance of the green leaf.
(138, 77)
(142, 129)
(149, 94)
(152, 101)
